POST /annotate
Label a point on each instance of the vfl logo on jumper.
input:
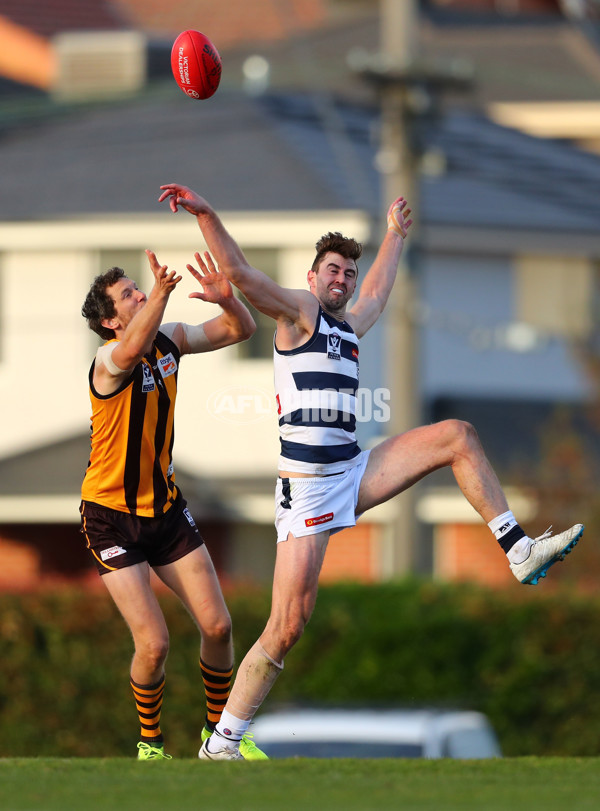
(147, 380)
(334, 343)
(320, 519)
(188, 515)
(112, 552)
(167, 365)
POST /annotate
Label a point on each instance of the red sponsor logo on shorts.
(320, 519)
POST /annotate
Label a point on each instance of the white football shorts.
(308, 506)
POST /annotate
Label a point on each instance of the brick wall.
(228, 23)
(470, 552)
(353, 554)
(20, 565)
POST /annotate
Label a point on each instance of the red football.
(196, 65)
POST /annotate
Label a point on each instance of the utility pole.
(408, 89)
(396, 162)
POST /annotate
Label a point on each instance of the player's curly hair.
(336, 243)
(98, 305)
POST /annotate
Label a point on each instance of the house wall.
(46, 348)
(225, 425)
(474, 340)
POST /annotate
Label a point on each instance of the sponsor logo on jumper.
(148, 380)
(167, 365)
(112, 552)
(355, 353)
(334, 341)
(320, 519)
(188, 515)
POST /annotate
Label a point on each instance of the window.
(554, 294)
(133, 262)
(261, 344)
(135, 265)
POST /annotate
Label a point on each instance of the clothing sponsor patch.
(355, 353)
(112, 552)
(319, 519)
(167, 365)
(170, 470)
(189, 517)
(334, 342)
(147, 379)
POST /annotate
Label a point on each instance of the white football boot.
(222, 753)
(545, 551)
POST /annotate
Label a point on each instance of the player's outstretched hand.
(215, 286)
(183, 196)
(397, 217)
(165, 280)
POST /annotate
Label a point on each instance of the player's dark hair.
(335, 242)
(98, 305)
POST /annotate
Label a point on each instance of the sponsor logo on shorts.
(112, 552)
(320, 519)
(167, 365)
(188, 515)
(147, 379)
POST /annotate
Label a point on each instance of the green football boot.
(248, 749)
(147, 751)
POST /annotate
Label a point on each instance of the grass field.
(46, 784)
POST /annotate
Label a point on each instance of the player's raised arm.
(133, 320)
(235, 323)
(136, 324)
(377, 284)
(293, 306)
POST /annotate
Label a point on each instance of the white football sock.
(502, 524)
(229, 732)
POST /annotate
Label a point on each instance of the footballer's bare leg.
(401, 461)
(132, 593)
(295, 585)
(194, 580)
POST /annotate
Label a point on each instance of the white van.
(361, 733)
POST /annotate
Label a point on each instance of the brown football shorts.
(117, 539)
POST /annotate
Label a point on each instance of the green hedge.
(530, 661)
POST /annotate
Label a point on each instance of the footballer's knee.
(282, 636)
(219, 631)
(153, 652)
(461, 436)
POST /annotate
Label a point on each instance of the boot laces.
(544, 535)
